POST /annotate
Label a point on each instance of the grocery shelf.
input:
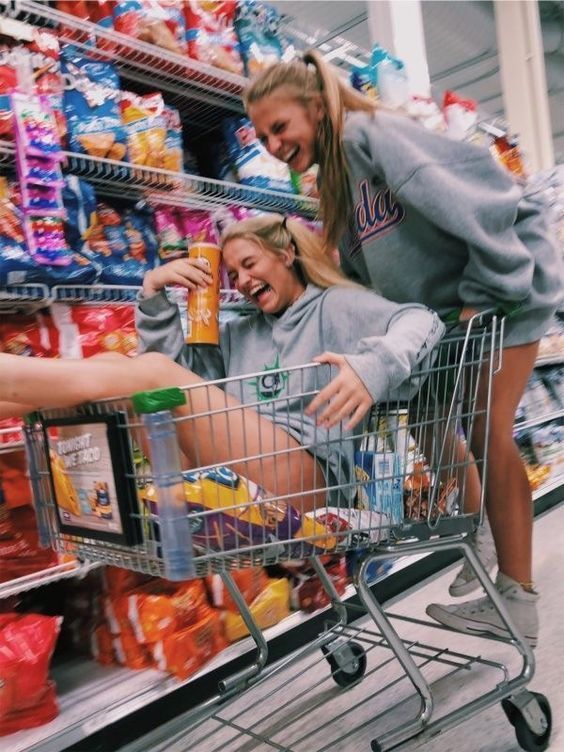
(537, 421)
(95, 293)
(555, 359)
(108, 294)
(18, 298)
(203, 93)
(45, 577)
(552, 484)
(92, 697)
(165, 187)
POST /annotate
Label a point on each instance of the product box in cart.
(382, 483)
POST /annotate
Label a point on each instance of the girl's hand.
(344, 397)
(186, 272)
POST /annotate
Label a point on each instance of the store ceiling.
(465, 62)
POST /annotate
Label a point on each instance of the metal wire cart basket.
(111, 484)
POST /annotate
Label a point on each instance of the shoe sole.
(459, 624)
(457, 591)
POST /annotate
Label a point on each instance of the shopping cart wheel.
(522, 718)
(347, 661)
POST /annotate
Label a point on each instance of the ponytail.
(275, 233)
(308, 78)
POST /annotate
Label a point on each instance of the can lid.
(155, 400)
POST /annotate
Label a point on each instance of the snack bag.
(26, 646)
(258, 29)
(128, 652)
(229, 512)
(183, 652)
(159, 23)
(178, 228)
(91, 104)
(47, 76)
(161, 608)
(269, 608)
(253, 164)
(122, 242)
(144, 123)
(460, 116)
(86, 330)
(173, 152)
(250, 581)
(210, 33)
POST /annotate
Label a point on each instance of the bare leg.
(228, 432)
(508, 494)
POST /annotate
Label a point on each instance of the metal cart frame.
(417, 435)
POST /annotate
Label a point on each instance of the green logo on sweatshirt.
(271, 384)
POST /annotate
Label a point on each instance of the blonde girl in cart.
(304, 311)
(417, 216)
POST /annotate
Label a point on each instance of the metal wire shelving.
(165, 187)
(203, 93)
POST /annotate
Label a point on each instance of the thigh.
(214, 428)
(507, 388)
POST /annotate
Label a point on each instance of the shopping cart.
(111, 485)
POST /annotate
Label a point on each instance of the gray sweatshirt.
(440, 222)
(382, 341)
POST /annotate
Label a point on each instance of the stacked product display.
(123, 144)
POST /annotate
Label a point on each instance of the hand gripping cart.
(111, 485)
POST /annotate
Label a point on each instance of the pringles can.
(203, 305)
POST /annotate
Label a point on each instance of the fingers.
(186, 272)
(345, 398)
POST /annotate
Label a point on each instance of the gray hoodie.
(382, 341)
(440, 222)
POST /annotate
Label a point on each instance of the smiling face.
(287, 128)
(267, 279)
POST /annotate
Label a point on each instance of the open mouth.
(291, 155)
(260, 293)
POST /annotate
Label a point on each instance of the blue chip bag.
(122, 241)
(251, 161)
(91, 105)
(261, 43)
(18, 267)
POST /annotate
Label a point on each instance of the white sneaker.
(483, 544)
(480, 616)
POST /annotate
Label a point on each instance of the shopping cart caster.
(347, 661)
(529, 713)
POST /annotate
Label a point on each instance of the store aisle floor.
(302, 710)
(489, 731)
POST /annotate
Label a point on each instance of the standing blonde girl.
(417, 216)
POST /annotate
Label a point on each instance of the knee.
(156, 368)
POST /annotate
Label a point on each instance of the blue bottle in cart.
(381, 476)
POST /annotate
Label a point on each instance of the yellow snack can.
(203, 305)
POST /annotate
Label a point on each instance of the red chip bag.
(31, 335)
(26, 646)
(211, 35)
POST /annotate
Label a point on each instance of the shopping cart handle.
(480, 320)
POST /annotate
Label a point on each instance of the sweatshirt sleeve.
(383, 362)
(158, 325)
(458, 187)
(476, 202)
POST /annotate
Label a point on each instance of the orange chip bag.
(183, 652)
(153, 616)
(145, 126)
(251, 582)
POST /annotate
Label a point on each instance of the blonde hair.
(308, 78)
(275, 233)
